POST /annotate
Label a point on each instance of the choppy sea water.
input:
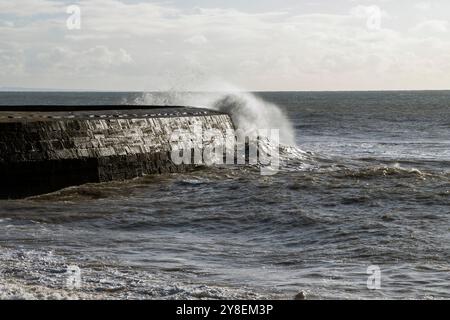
(368, 184)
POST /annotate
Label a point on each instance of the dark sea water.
(368, 184)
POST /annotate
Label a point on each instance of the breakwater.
(47, 148)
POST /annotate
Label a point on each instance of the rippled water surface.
(370, 186)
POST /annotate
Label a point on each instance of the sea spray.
(178, 98)
(251, 116)
(249, 112)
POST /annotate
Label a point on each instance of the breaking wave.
(249, 113)
(252, 115)
(382, 171)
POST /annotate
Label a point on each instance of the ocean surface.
(365, 183)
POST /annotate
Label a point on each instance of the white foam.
(249, 112)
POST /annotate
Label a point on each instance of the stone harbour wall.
(41, 156)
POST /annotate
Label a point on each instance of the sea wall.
(39, 156)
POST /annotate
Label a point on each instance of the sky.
(213, 45)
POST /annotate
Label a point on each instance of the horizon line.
(48, 90)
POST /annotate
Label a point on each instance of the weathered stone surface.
(49, 149)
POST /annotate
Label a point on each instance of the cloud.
(197, 40)
(154, 46)
(11, 61)
(90, 61)
(424, 6)
(431, 26)
(23, 8)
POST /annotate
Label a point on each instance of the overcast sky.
(209, 45)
